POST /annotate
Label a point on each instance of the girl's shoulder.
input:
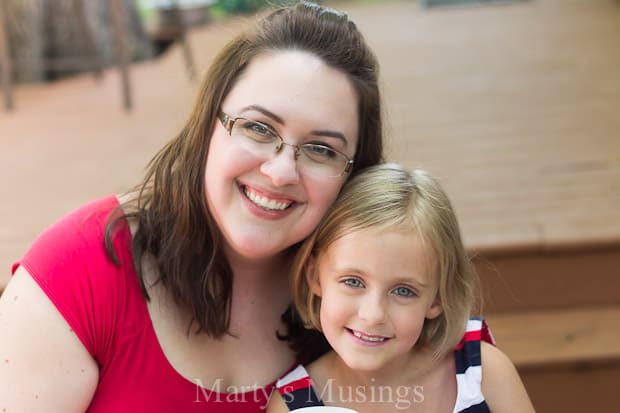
(501, 385)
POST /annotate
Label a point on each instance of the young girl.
(386, 278)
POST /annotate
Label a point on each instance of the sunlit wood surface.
(514, 105)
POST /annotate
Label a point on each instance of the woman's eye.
(353, 282)
(404, 292)
(319, 152)
(258, 131)
(258, 128)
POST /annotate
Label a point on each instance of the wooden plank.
(539, 339)
(533, 280)
(573, 389)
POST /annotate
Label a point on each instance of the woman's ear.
(435, 309)
(312, 277)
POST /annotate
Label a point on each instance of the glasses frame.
(228, 122)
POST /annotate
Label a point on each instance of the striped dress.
(297, 391)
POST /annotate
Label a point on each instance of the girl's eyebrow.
(270, 114)
(411, 280)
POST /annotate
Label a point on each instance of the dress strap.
(468, 359)
(296, 389)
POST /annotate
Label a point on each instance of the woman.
(169, 298)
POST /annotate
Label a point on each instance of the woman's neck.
(261, 269)
(260, 289)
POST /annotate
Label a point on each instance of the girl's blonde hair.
(384, 197)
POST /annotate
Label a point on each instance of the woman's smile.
(265, 201)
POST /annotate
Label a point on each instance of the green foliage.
(249, 6)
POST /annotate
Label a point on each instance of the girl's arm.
(43, 365)
(501, 385)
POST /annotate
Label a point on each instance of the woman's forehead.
(297, 85)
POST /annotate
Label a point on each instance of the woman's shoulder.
(75, 241)
(82, 224)
(69, 261)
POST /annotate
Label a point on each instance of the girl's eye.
(353, 282)
(404, 292)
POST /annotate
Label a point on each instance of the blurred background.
(514, 104)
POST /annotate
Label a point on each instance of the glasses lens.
(322, 160)
(253, 130)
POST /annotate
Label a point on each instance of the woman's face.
(264, 204)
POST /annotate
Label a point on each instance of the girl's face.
(263, 204)
(377, 287)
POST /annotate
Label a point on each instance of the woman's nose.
(281, 168)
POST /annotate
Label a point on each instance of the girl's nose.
(281, 168)
(372, 310)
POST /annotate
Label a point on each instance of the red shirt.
(104, 306)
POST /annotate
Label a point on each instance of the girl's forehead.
(390, 256)
(379, 240)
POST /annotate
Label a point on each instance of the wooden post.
(94, 62)
(5, 62)
(187, 51)
(122, 51)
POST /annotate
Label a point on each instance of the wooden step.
(573, 388)
(569, 336)
(569, 359)
(543, 279)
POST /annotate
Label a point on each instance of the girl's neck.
(412, 368)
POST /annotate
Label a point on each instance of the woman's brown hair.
(175, 229)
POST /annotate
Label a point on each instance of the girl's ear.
(312, 277)
(435, 309)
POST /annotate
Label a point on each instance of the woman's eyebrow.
(268, 113)
(331, 134)
(265, 112)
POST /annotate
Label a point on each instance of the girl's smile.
(367, 339)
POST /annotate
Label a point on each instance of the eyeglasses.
(312, 158)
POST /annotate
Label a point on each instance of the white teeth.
(264, 202)
(367, 338)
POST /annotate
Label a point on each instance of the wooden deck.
(514, 105)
